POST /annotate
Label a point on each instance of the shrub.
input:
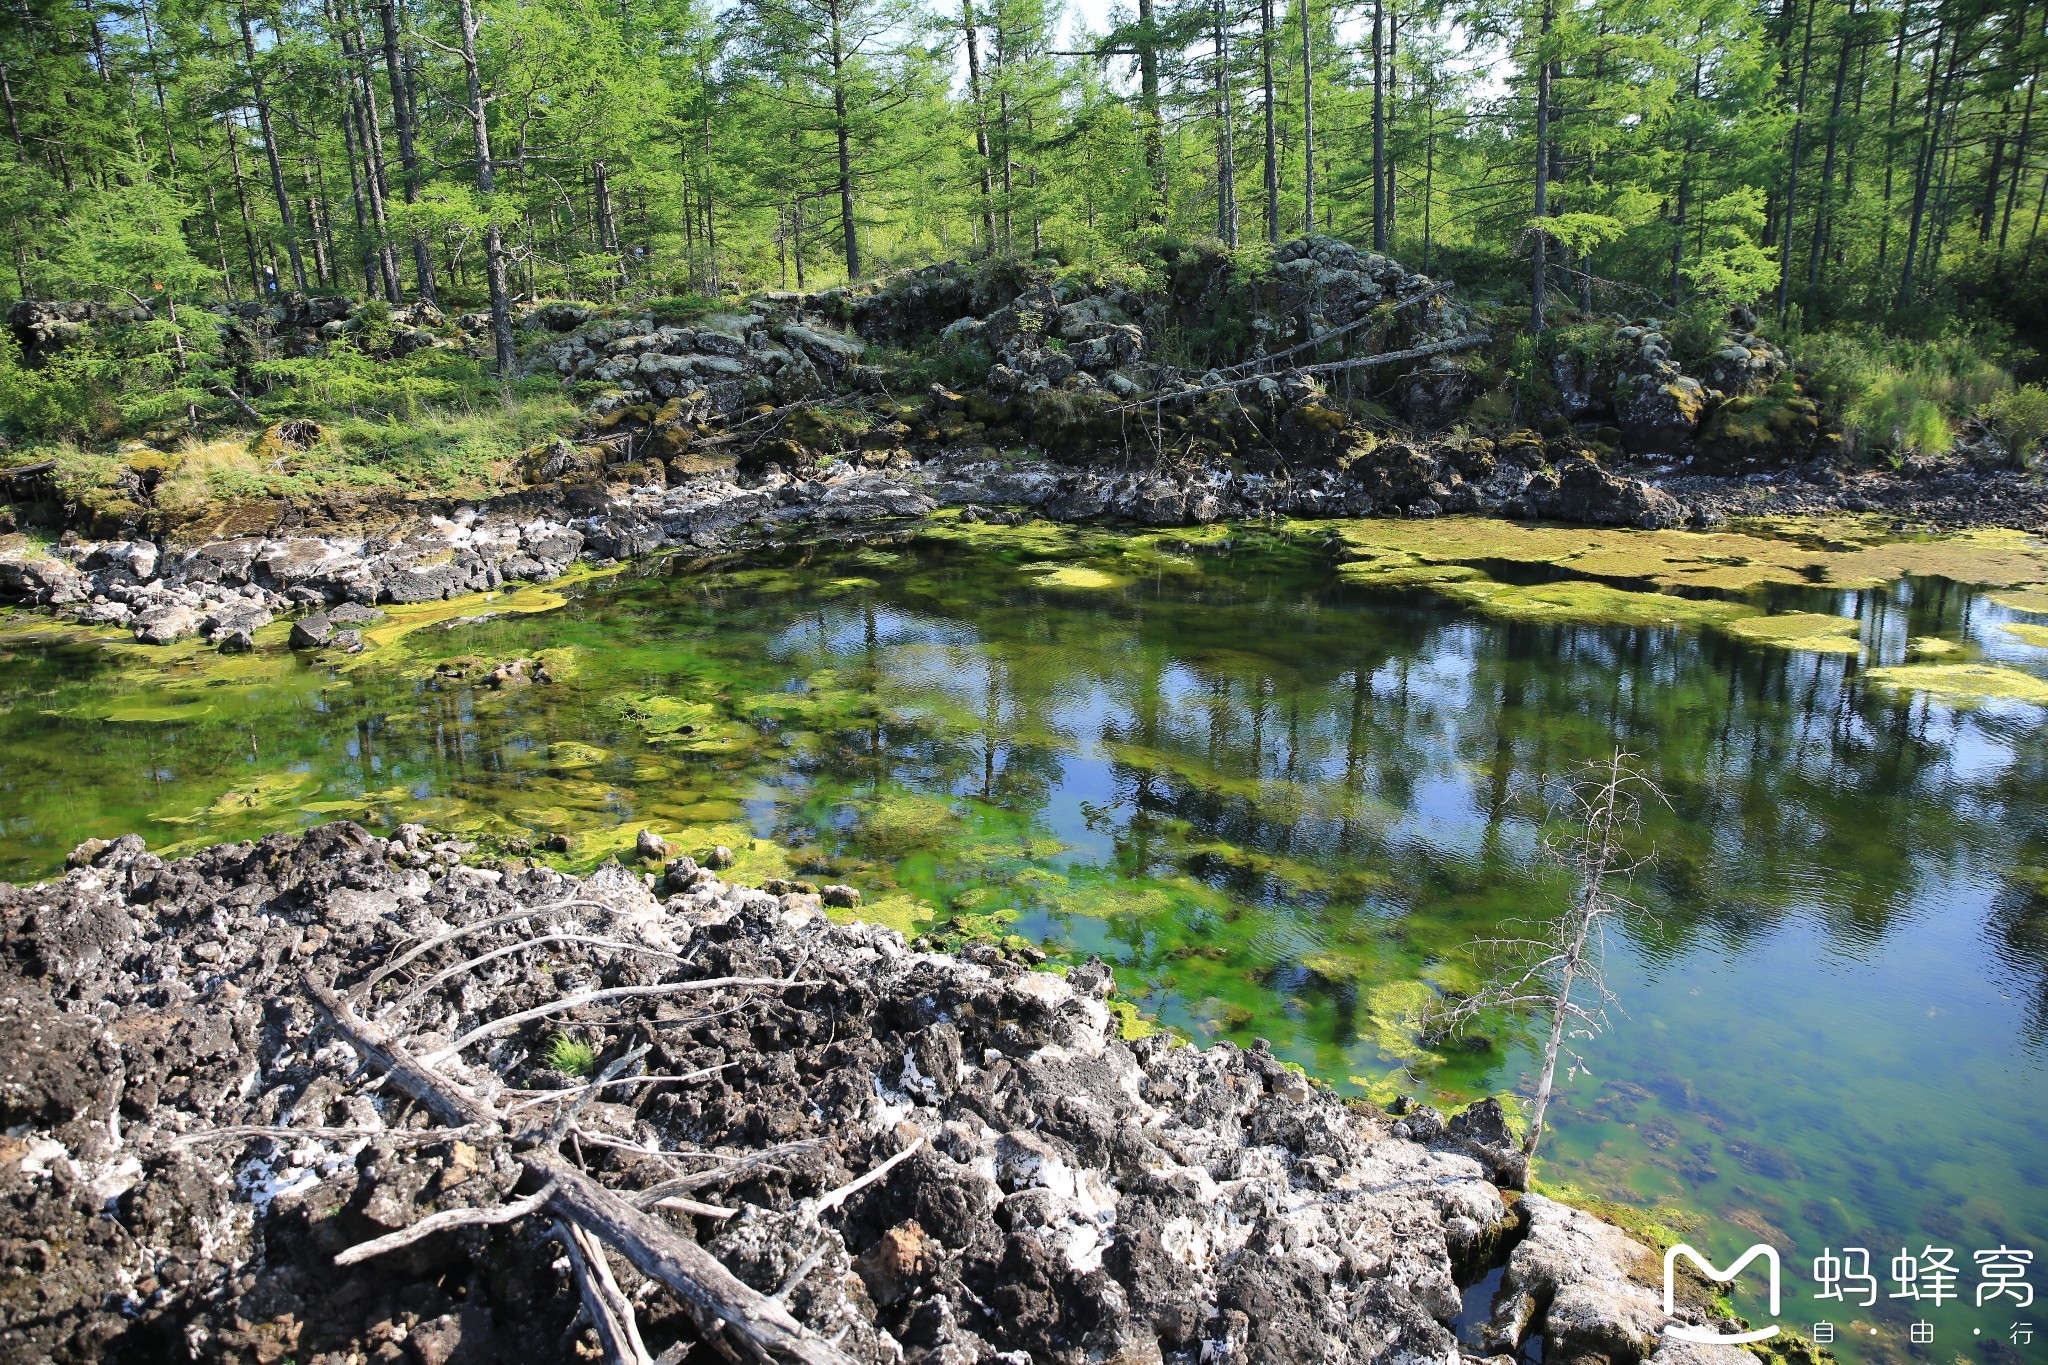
(2020, 418)
(1899, 395)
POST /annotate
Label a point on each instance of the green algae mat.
(1279, 776)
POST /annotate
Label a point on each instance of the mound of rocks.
(751, 358)
(337, 1097)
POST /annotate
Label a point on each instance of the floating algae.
(1074, 576)
(1736, 561)
(1815, 632)
(2028, 632)
(1593, 604)
(2031, 598)
(1963, 684)
(261, 795)
(663, 718)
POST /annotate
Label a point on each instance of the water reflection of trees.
(1364, 772)
(1350, 757)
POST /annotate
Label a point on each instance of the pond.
(1281, 777)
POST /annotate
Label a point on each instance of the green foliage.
(674, 310)
(1898, 395)
(572, 1057)
(2020, 418)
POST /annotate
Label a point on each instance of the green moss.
(1963, 684)
(1074, 576)
(2031, 598)
(2035, 635)
(897, 823)
(1931, 647)
(1578, 603)
(1814, 632)
(1131, 1022)
(1659, 1226)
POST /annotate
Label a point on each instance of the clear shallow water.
(1279, 803)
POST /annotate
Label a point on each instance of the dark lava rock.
(313, 632)
(1053, 1192)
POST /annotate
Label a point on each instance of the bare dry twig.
(443, 1221)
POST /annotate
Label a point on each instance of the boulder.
(313, 632)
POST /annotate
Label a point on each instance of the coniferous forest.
(1871, 164)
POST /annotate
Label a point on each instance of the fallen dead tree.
(1471, 341)
(722, 1307)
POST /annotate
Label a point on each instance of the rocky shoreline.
(817, 412)
(803, 1139)
(223, 591)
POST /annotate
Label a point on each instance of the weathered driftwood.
(244, 1131)
(509, 1022)
(715, 1299)
(610, 1311)
(363, 988)
(548, 1096)
(1463, 343)
(444, 1220)
(737, 1165)
(471, 964)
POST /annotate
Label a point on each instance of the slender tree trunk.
(317, 232)
(1308, 124)
(1685, 186)
(988, 209)
(1379, 128)
(1428, 178)
(1542, 165)
(844, 135)
(1272, 142)
(373, 147)
(403, 116)
(242, 201)
(220, 245)
(361, 110)
(355, 188)
(1823, 211)
(487, 186)
(1929, 155)
(1792, 171)
(1151, 126)
(1891, 133)
(2019, 164)
(1226, 148)
(156, 80)
(284, 202)
(1393, 107)
(14, 116)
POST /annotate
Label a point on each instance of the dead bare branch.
(441, 1222)
(508, 1022)
(832, 1199)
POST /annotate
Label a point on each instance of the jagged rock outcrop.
(193, 1138)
